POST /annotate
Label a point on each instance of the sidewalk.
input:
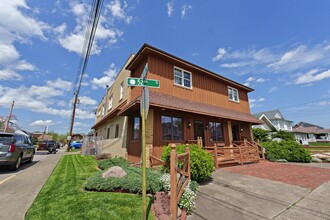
(233, 195)
(18, 193)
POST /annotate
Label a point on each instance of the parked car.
(76, 144)
(48, 145)
(15, 149)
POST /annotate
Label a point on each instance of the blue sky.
(279, 48)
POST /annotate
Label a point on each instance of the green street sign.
(140, 82)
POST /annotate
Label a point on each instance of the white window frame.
(233, 96)
(121, 95)
(110, 103)
(182, 77)
(103, 110)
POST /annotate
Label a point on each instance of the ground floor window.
(216, 131)
(108, 133)
(171, 128)
(136, 129)
(117, 131)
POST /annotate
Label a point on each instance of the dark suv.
(14, 149)
(48, 145)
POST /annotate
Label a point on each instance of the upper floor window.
(182, 78)
(110, 102)
(103, 110)
(233, 94)
(121, 95)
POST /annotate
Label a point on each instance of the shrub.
(260, 134)
(288, 150)
(201, 161)
(118, 161)
(284, 135)
(132, 182)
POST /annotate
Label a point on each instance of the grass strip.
(62, 197)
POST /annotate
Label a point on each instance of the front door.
(199, 130)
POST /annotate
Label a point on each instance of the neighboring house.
(110, 127)
(191, 102)
(41, 136)
(273, 121)
(305, 133)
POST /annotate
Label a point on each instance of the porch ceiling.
(175, 103)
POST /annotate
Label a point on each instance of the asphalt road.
(18, 189)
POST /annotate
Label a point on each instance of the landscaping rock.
(316, 160)
(281, 161)
(327, 160)
(115, 171)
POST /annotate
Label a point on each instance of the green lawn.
(62, 197)
(319, 144)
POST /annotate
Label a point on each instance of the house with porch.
(273, 121)
(306, 132)
(191, 103)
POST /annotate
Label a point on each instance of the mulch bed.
(309, 177)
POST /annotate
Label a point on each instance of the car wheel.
(31, 158)
(73, 148)
(17, 163)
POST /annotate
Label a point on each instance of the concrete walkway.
(18, 193)
(231, 196)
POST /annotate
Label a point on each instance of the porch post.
(230, 133)
(251, 133)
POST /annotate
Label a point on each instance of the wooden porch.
(240, 153)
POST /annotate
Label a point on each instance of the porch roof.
(171, 102)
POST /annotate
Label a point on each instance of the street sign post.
(144, 108)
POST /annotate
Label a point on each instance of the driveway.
(18, 189)
(255, 191)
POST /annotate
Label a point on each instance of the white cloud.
(40, 123)
(59, 84)
(260, 80)
(85, 100)
(256, 102)
(220, 54)
(8, 53)
(106, 79)
(273, 89)
(324, 103)
(6, 74)
(170, 8)
(104, 36)
(250, 79)
(118, 11)
(313, 76)
(185, 9)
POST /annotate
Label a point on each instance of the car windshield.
(6, 139)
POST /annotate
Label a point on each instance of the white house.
(273, 121)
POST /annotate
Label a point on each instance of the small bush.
(201, 161)
(118, 161)
(131, 183)
(103, 156)
(288, 150)
(260, 134)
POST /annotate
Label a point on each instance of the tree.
(284, 135)
(260, 134)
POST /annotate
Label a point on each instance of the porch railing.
(179, 167)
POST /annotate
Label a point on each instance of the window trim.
(182, 77)
(133, 126)
(233, 89)
(110, 102)
(117, 131)
(121, 92)
(182, 128)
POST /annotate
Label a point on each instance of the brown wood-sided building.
(191, 102)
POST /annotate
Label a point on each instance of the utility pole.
(72, 118)
(7, 121)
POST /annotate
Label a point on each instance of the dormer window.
(233, 94)
(182, 78)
